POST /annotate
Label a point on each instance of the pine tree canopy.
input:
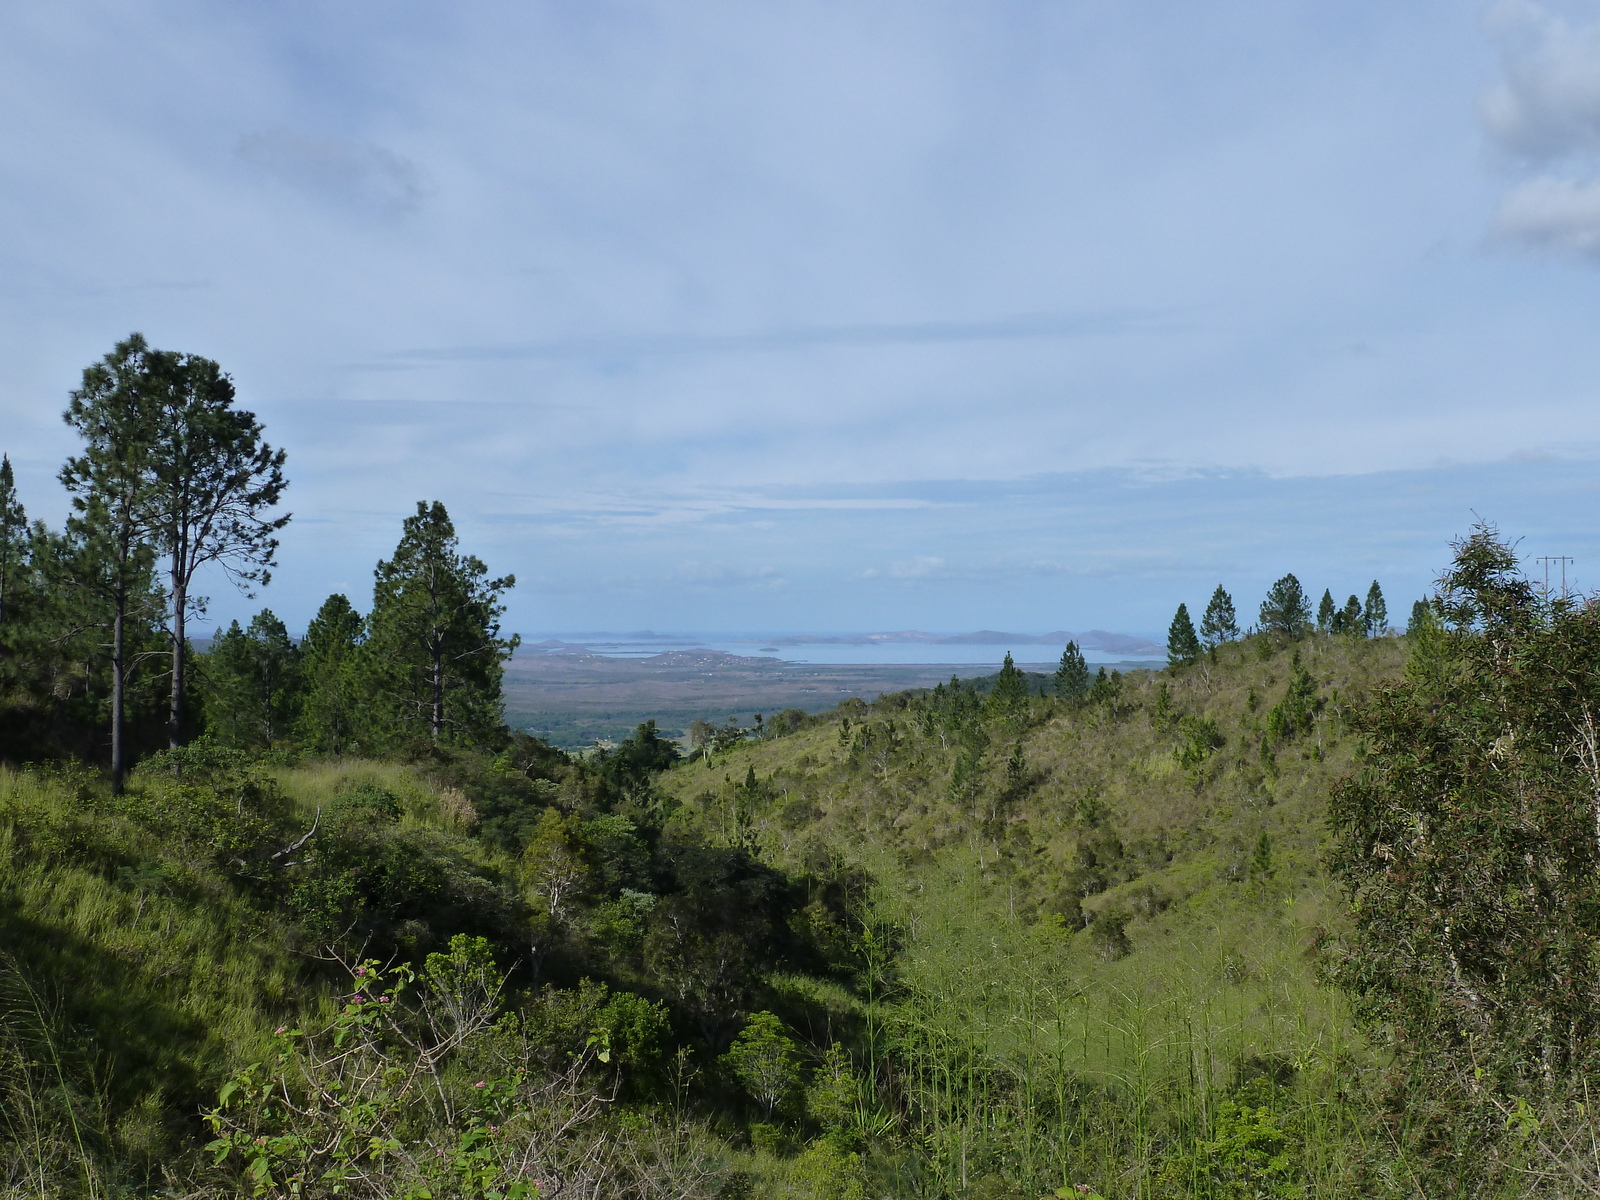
(1072, 676)
(254, 675)
(1285, 611)
(1349, 619)
(434, 644)
(1182, 645)
(1220, 623)
(1377, 614)
(1326, 612)
(1010, 693)
(331, 666)
(1422, 618)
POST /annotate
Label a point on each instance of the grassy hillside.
(1010, 946)
(1099, 935)
(147, 950)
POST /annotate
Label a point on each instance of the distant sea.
(793, 648)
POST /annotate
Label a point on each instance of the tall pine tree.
(1183, 646)
(1348, 620)
(1377, 615)
(1285, 611)
(1220, 623)
(255, 683)
(214, 480)
(434, 644)
(1010, 696)
(110, 536)
(1326, 612)
(1072, 676)
(330, 662)
(13, 544)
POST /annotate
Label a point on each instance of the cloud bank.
(735, 315)
(1544, 113)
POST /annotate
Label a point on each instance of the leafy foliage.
(1469, 847)
(762, 1058)
(1285, 612)
(435, 650)
(421, 1086)
(254, 677)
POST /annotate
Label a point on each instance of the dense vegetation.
(1311, 912)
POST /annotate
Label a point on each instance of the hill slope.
(1096, 924)
(1006, 945)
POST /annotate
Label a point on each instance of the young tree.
(95, 619)
(763, 1060)
(1296, 713)
(1377, 615)
(1285, 612)
(23, 639)
(1422, 618)
(1010, 696)
(1326, 612)
(256, 683)
(1183, 647)
(1072, 676)
(1016, 771)
(632, 766)
(13, 541)
(434, 640)
(108, 548)
(329, 658)
(1348, 620)
(1220, 623)
(554, 865)
(213, 481)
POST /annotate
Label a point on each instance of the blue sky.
(837, 316)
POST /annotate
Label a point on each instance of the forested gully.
(1310, 910)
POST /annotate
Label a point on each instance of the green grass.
(131, 981)
(1017, 1055)
(1009, 1040)
(424, 804)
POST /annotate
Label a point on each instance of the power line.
(1547, 559)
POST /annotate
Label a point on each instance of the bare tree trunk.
(180, 601)
(438, 696)
(119, 750)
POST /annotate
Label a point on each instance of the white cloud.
(356, 173)
(1546, 111)
(721, 575)
(1553, 214)
(924, 566)
(1548, 104)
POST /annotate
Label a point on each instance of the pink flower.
(478, 1084)
(280, 1029)
(360, 971)
(357, 997)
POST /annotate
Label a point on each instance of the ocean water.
(829, 653)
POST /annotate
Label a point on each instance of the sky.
(1029, 315)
